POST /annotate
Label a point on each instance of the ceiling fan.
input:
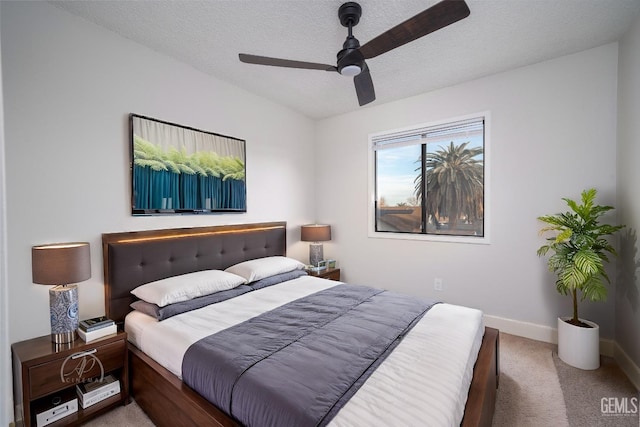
(351, 59)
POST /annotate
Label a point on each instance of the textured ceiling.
(498, 35)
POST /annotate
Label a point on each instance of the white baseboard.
(626, 364)
(522, 329)
(538, 332)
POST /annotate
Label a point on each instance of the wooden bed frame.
(134, 258)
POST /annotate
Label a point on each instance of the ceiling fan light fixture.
(350, 70)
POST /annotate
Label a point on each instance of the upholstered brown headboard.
(134, 258)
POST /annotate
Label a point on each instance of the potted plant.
(578, 256)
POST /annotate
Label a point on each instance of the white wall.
(6, 411)
(627, 308)
(68, 89)
(553, 134)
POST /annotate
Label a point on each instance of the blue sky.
(396, 172)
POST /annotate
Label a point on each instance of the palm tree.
(455, 179)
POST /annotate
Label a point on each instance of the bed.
(135, 258)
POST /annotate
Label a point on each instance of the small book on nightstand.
(97, 333)
(95, 323)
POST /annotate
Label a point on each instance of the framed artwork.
(181, 170)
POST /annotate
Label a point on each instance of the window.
(429, 181)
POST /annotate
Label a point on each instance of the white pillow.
(186, 286)
(260, 268)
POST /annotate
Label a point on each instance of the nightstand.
(45, 373)
(327, 273)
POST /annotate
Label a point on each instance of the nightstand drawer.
(60, 373)
(332, 275)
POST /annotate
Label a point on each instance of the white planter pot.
(579, 347)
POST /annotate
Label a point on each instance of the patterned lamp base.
(63, 307)
(315, 253)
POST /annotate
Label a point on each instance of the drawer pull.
(84, 353)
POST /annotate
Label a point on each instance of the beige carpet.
(584, 392)
(532, 382)
(529, 392)
(123, 416)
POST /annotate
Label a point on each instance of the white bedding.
(424, 381)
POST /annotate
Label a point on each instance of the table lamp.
(315, 233)
(62, 264)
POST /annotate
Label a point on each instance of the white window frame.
(372, 233)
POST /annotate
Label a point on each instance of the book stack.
(97, 327)
(93, 392)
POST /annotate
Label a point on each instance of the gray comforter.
(299, 363)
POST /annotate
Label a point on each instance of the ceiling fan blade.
(276, 62)
(364, 87)
(436, 17)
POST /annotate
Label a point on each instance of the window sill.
(430, 237)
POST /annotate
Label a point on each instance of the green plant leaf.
(588, 262)
(594, 290)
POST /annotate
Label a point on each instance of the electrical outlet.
(437, 284)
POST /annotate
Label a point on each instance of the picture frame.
(178, 169)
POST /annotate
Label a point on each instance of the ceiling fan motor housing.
(348, 65)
